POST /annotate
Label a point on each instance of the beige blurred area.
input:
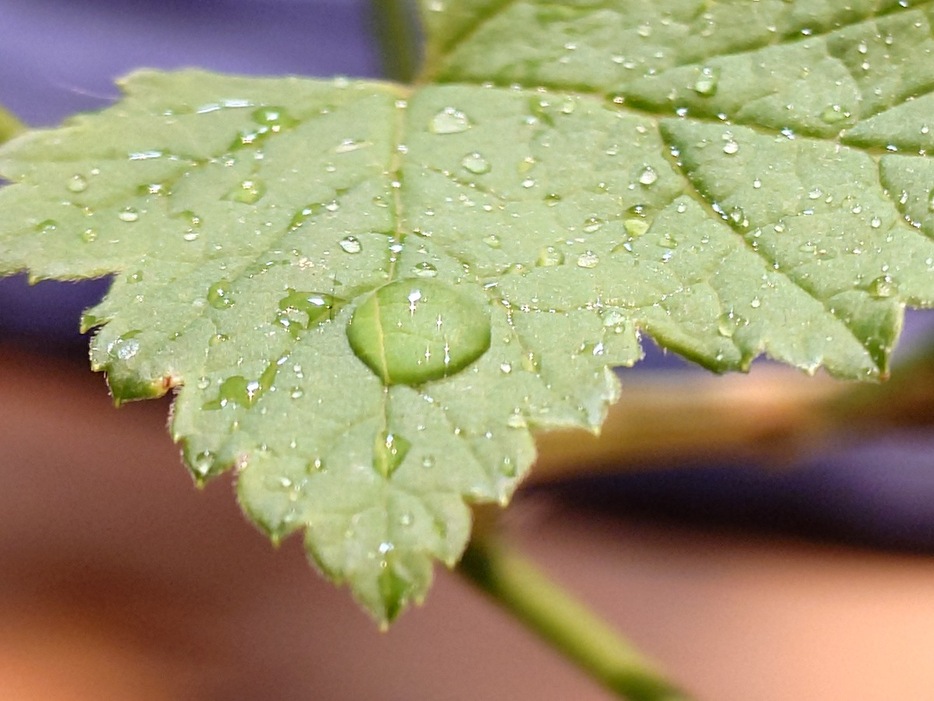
(121, 582)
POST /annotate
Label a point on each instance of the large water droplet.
(389, 451)
(449, 121)
(414, 331)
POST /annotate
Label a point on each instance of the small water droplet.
(549, 257)
(635, 227)
(730, 147)
(589, 259)
(492, 241)
(78, 183)
(219, 295)
(129, 215)
(726, 324)
(648, 176)
(425, 269)
(389, 450)
(834, 114)
(592, 225)
(89, 235)
(883, 287)
(476, 163)
(350, 244)
(875, 222)
(707, 82)
(249, 191)
(755, 303)
(47, 226)
(449, 121)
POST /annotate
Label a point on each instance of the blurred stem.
(768, 418)
(397, 31)
(10, 126)
(550, 612)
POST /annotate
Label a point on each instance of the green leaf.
(368, 296)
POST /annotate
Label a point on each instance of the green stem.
(523, 590)
(397, 33)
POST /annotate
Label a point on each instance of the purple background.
(58, 57)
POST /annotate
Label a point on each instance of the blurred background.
(748, 569)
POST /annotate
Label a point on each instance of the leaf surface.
(368, 296)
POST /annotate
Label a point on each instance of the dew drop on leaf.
(128, 215)
(549, 257)
(449, 121)
(476, 163)
(389, 450)
(588, 259)
(416, 330)
(78, 183)
(883, 287)
(219, 295)
(350, 244)
(707, 82)
(648, 176)
(248, 191)
(425, 269)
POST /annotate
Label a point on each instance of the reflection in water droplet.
(449, 121)
(128, 215)
(78, 183)
(350, 244)
(875, 222)
(549, 257)
(219, 295)
(417, 330)
(476, 163)
(730, 147)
